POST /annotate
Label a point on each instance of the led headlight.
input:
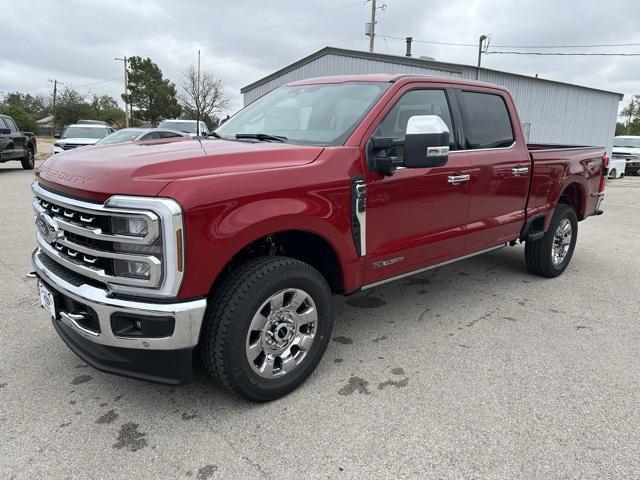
(132, 226)
(131, 269)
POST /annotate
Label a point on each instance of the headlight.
(131, 226)
(57, 145)
(131, 269)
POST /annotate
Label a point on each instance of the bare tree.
(205, 97)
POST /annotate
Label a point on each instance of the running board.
(425, 269)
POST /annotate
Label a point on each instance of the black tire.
(228, 319)
(28, 162)
(538, 253)
(612, 173)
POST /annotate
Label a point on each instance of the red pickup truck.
(232, 246)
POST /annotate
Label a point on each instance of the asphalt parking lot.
(476, 370)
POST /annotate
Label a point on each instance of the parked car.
(186, 126)
(80, 135)
(617, 167)
(628, 147)
(139, 134)
(330, 185)
(16, 145)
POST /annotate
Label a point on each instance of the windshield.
(187, 127)
(626, 142)
(322, 114)
(121, 136)
(84, 132)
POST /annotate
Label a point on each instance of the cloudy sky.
(75, 41)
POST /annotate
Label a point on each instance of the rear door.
(500, 168)
(415, 217)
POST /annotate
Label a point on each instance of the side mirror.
(4, 131)
(56, 135)
(426, 142)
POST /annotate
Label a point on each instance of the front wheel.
(550, 255)
(267, 327)
(28, 161)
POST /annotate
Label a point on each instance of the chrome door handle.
(519, 171)
(456, 179)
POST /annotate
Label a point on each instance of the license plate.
(46, 300)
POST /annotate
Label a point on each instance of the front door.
(416, 217)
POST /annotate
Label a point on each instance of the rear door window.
(486, 121)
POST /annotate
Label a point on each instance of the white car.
(628, 147)
(186, 126)
(616, 166)
(80, 135)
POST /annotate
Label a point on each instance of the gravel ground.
(476, 370)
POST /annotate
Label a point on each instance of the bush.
(24, 121)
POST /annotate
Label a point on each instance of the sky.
(76, 41)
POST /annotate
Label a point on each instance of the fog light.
(126, 268)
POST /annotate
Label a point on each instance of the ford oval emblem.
(47, 227)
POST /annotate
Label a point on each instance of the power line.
(260, 30)
(568, 54)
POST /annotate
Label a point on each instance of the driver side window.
(414, 102)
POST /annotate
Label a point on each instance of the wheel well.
(304, 246)
(574, 197)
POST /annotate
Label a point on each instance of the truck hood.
(145, 168)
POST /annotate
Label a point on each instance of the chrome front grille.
(88, 239)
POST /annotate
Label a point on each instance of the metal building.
(551, 112)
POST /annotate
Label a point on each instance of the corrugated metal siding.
(339, 65)
(557, 113)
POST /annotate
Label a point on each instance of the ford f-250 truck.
(233, 245)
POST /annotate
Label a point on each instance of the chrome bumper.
(188, 315)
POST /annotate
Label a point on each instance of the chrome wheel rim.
(561, 241)
(281, 333)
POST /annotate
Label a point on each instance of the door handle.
(456, 179)
(519, 171)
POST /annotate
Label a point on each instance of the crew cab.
(16, 145)
(231, 247)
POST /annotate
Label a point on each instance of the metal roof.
(403, 60)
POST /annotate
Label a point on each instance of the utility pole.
(482, 39)
(55, 91)
(198, 100)
(372, 33)
(126, 83)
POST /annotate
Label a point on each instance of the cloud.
(76, 41)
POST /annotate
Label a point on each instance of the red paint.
(234, 193)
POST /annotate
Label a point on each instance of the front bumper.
(165, 359)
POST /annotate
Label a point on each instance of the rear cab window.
(487, 123)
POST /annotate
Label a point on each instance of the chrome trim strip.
(188, 315)
(98, 273)
(361, 214)
(442, 264)
(133, 257)
(96, 209)
(488, 149)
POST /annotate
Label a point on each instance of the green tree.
(36, 106)
(106, 108)
(71, 106)
(151, 96)
(24, 121)
(631, 115)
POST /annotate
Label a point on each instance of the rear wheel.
(28, 161)
(267, 327)
(550, 256)
(613, 173)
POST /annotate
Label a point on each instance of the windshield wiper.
(263, 137)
